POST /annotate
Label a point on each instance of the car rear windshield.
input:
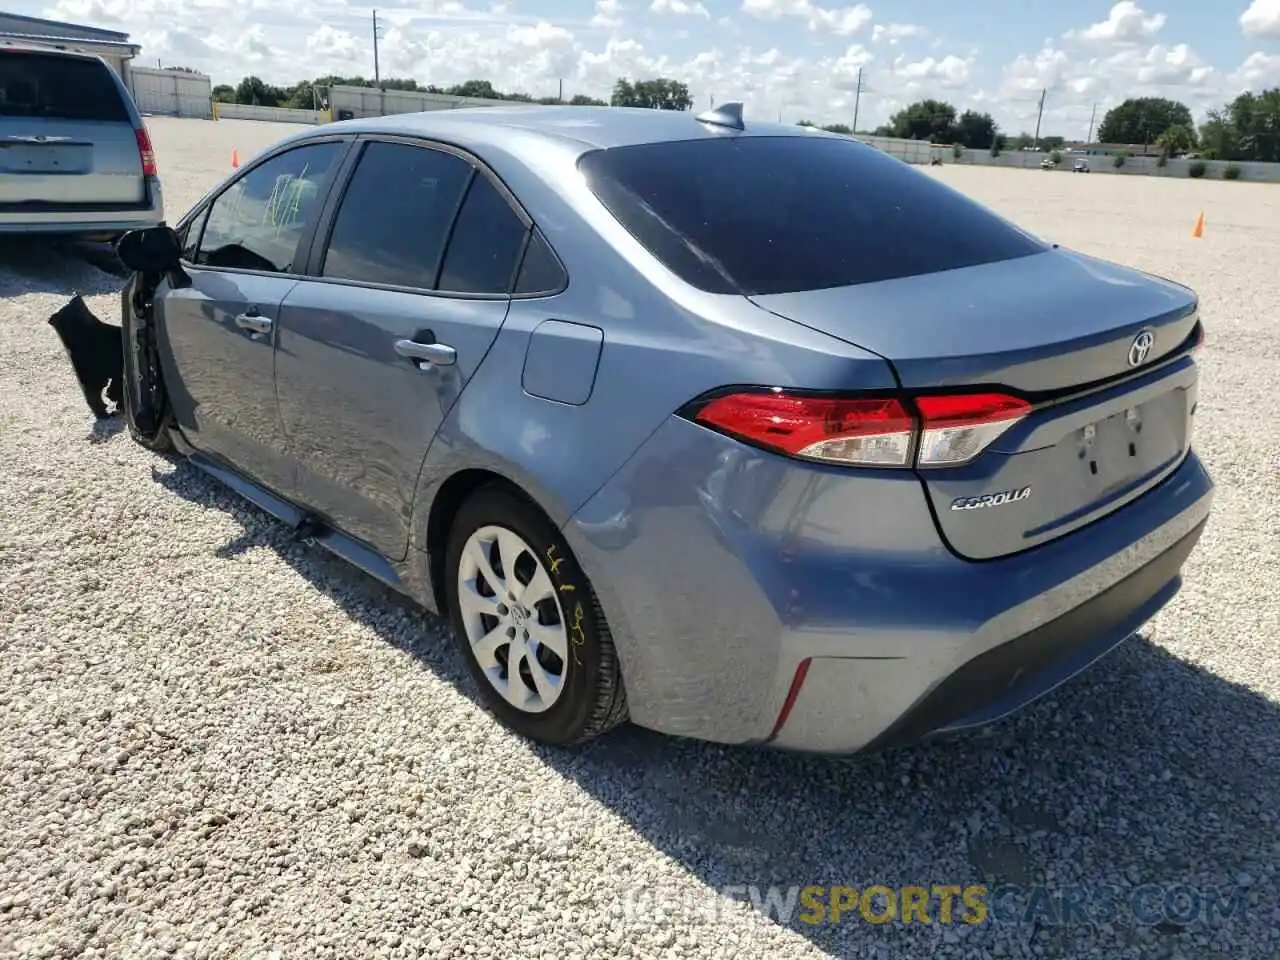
(765, 215)
(57, 88)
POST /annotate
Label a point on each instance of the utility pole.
(857, 101)
(560, 95)
(1091, 119)
(1038, 116)
(377, 76)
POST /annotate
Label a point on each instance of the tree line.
(1246, 128)
(661, 93)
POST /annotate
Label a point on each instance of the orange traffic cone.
(235, 159)
(1198, 230)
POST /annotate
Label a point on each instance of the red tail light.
(821, 428)
(865, 431)
(957, 429)
(146, 154)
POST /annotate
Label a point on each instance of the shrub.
(1118, 162)
(1055, 157)
(1162, 161)
(1232, 172)
(995, 149)
(1197, 168)
(957, 151)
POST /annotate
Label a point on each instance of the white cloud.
(1261, 19)
(1259, 71)
(608, 14)
(843, 21)
(679, 8)
(892, 33)
(950, 72)
(1126, 23)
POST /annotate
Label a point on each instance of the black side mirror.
(152, 250)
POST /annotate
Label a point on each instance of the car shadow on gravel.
(1133, 812)
(34, 265)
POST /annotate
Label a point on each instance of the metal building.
(115, 48)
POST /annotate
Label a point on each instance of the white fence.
(370, 102)
(248, 111)
(174, 93)
(1141, 166)
(912, 151)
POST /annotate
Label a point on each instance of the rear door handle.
(253, 322)
(438, 354)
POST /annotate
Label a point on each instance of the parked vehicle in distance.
(75, 156)
(747, 432)
(1080, 166)
(1048, 163)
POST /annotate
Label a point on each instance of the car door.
(410, 284)
(242, 255)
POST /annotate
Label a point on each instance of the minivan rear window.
(759, 215)
(58, 88)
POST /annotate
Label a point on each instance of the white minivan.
(75, 156)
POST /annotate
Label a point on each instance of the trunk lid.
(1058, 328)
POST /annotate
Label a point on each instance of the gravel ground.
(218, 743)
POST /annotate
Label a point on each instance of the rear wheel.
(529, 624)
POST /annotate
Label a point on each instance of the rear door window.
(768, 215)
(51, 87)
(258, 222)
(395, 215)
(484, 245)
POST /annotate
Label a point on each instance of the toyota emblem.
(1140, 349)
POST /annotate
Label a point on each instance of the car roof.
(28, 46)
(589, 128)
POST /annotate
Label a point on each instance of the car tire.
(156, 435)
(588, 697)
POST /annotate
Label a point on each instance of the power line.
(1039, 115)
(857, 100)
(377, 75)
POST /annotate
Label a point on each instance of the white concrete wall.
(173, 93)
(248, 111)
(1133, 166)
(370, 102)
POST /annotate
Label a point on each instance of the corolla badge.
(991, 499)
(1140, 349)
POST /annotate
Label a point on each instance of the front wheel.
(531, 629)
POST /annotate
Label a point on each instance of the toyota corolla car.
(745, 432)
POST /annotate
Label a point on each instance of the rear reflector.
(863, 431)
(146, 154)
(793, 693)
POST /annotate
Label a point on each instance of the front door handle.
(253, 322)
(439, 354)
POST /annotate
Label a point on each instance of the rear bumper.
(1009, 677)
(84, 219)
(722, 570)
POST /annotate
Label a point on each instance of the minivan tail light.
(925, 431)
(146, 154)
(956, 429)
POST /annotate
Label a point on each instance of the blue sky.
(794, 58)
